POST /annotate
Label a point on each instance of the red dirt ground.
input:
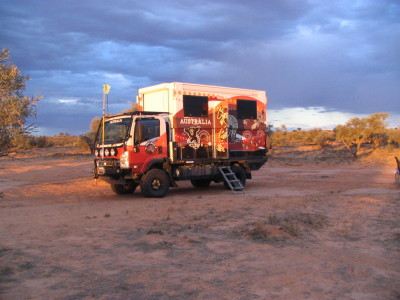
(308, 227)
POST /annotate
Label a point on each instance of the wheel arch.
(156, 163)
(162, 164)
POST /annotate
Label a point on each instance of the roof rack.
(135, 113)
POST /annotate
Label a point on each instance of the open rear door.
(220, 128)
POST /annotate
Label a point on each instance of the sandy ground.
(303, 230)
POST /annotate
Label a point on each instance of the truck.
(183, 131)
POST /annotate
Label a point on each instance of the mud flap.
(167, 168)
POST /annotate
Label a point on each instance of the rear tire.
(121, 189)
(155, 184)
(200, 183)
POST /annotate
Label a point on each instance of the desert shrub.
(24, 142)
(311, 134)
(63, 141)
(301, 136)
(43, 142)
(324, 138)
(393, 137)
(279, 138)
(84, 143)
(89, 137)
(29, 142)
(296, 136)
(284, 138)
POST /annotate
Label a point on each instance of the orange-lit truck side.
(182, 132)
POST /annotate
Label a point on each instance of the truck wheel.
(200, 182)
(240, 174)
(155, 184)
(121, 189)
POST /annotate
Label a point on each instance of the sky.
(320, 62)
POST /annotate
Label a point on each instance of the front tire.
(121, 189)
(155, 184)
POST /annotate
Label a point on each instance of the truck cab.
(128, 145)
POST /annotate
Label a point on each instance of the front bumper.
(110, 168)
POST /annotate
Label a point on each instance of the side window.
(195, 106)
(146, 129)
(246, 109)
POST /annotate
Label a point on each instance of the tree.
(134, 107)
(360, 130)
(94, 125)
(378, 127)
(89, 137)
(15, 108)
(393, 137)
(353, 134)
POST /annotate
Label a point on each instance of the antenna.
(106, 90)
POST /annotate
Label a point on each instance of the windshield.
(115, 131)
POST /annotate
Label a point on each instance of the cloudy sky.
(321, 62)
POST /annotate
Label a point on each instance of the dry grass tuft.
(292, 228)
(282, 228)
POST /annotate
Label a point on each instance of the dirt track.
(302, 231)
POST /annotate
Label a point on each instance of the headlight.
(96, 152)
(113, 152)
(124, 160)
(106, 152)
(101, 152)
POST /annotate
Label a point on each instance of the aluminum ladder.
(231, 180)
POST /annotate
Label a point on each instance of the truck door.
(150, 141)
(220, 130)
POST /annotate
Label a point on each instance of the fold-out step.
(231, 180)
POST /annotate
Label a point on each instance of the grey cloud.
(337, 54)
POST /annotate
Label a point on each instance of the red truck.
(183, 131)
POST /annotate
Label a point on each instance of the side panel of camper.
(210, 122)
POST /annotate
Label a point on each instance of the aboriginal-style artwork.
(233, 127)
(193, 136)
(204, 136)
(260, 134)
(221, 130)
(196, 137)
(222, 116)
(223, 133)
(150, 148)
(247, 139)
(220, 148)
(260, 119)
